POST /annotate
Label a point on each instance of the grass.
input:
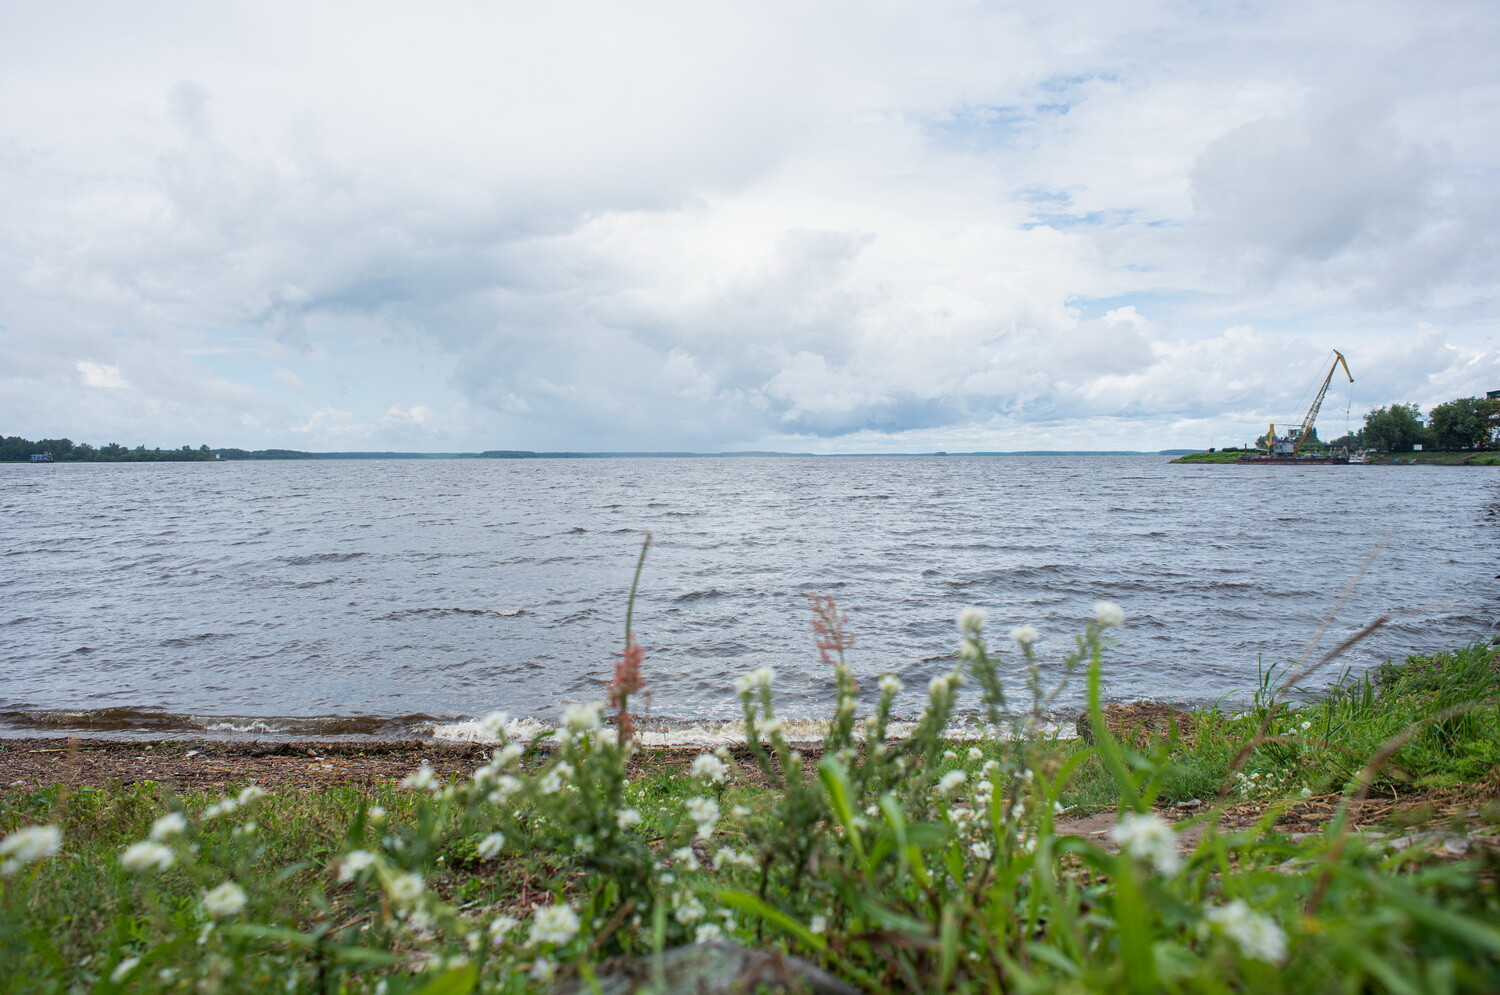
(864, 861)
(1423, 458)
(1426, 458)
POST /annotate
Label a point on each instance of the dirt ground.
(186, 764)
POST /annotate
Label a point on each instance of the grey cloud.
(188, 102)
(1334, 194)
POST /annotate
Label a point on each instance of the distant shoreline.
(269, 455)
(1472, 457)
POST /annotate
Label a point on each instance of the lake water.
(383, 595)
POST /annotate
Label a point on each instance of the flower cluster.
(1149, 838)
(27, 846)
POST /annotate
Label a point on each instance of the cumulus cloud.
(99, 375)
(1315, 184)
(711, 227)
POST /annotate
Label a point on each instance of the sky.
(803, 226)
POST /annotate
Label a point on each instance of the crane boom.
(1312, 413)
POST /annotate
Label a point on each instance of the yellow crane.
(1290, 445)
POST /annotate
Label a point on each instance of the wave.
(314, 558)
(137, 722)
(406, 613)
(712, 592)
(653, 732)
(145, 724)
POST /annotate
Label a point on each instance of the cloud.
(726, 226)
(99, 375)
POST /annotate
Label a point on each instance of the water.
(382, 594)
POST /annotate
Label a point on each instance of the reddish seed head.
(830, 628)
(627, 672)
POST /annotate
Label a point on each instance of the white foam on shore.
(705, 734)
(255, 725)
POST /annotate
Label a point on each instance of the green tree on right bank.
(1396, 428)
(1465, 423)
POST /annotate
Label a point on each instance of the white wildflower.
(627, 817)
(27, 846)
(253, 793)
(505, 786)
(405, 889)
(555, 924)
(981, 850)
(949, 755)
(975, 753)
(224, 806)
(707, 933)
(543, 970)
(740, 812)
(376, 813)
(501, 926)
(733, 858)
(492, 726)
(583, 718)
(686, 857)
(170, 825)
(1306, 725)
(705, 813)
(758, 678)
(421, 779)
(1024, 635)
(353, 863)
(1148, 837)
(1107, 613)
(817, 924)
(687, 909)
(122, 970)
(1306, 792)
(225, 900)
(890, 684)
(771, 728)
(506, 755)
(951, 780)
(971, 621)
(1257, 936)
(549, 783)
(489, 847)
(147, 856)
(710, 768)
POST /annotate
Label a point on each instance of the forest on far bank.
(14, 449)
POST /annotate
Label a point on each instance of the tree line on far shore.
(14, 449)
(1466, 423)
